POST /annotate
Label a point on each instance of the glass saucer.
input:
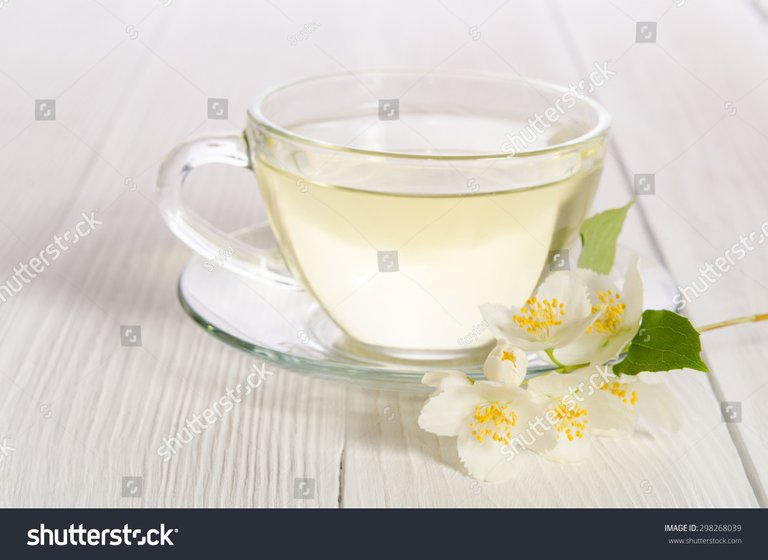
(285, 327)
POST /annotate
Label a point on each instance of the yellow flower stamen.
(621, 391)
(538, 316)
(508, 356)
(570, 419)
(493, 420)
(612, 313)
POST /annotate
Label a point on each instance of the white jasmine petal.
(556, 385)
(569, 451)
(446, 413)
(646, 395)
(650, 377)
(657, 403)
(557, 313)
(499, 319)
(633, 291)
(482, 461)
(445, 378)
(609, 416)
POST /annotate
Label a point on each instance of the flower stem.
(551, 353)
(730, 322)
(562, 368)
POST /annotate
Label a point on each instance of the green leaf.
(664, 341)
(598, 239)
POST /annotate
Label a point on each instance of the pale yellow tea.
(406, 268)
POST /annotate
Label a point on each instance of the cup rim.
(601, 127)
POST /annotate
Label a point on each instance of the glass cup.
(402, 201)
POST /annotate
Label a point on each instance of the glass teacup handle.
(261, 261)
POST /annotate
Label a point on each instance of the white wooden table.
(79, 411)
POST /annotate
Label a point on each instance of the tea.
(410, 270)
